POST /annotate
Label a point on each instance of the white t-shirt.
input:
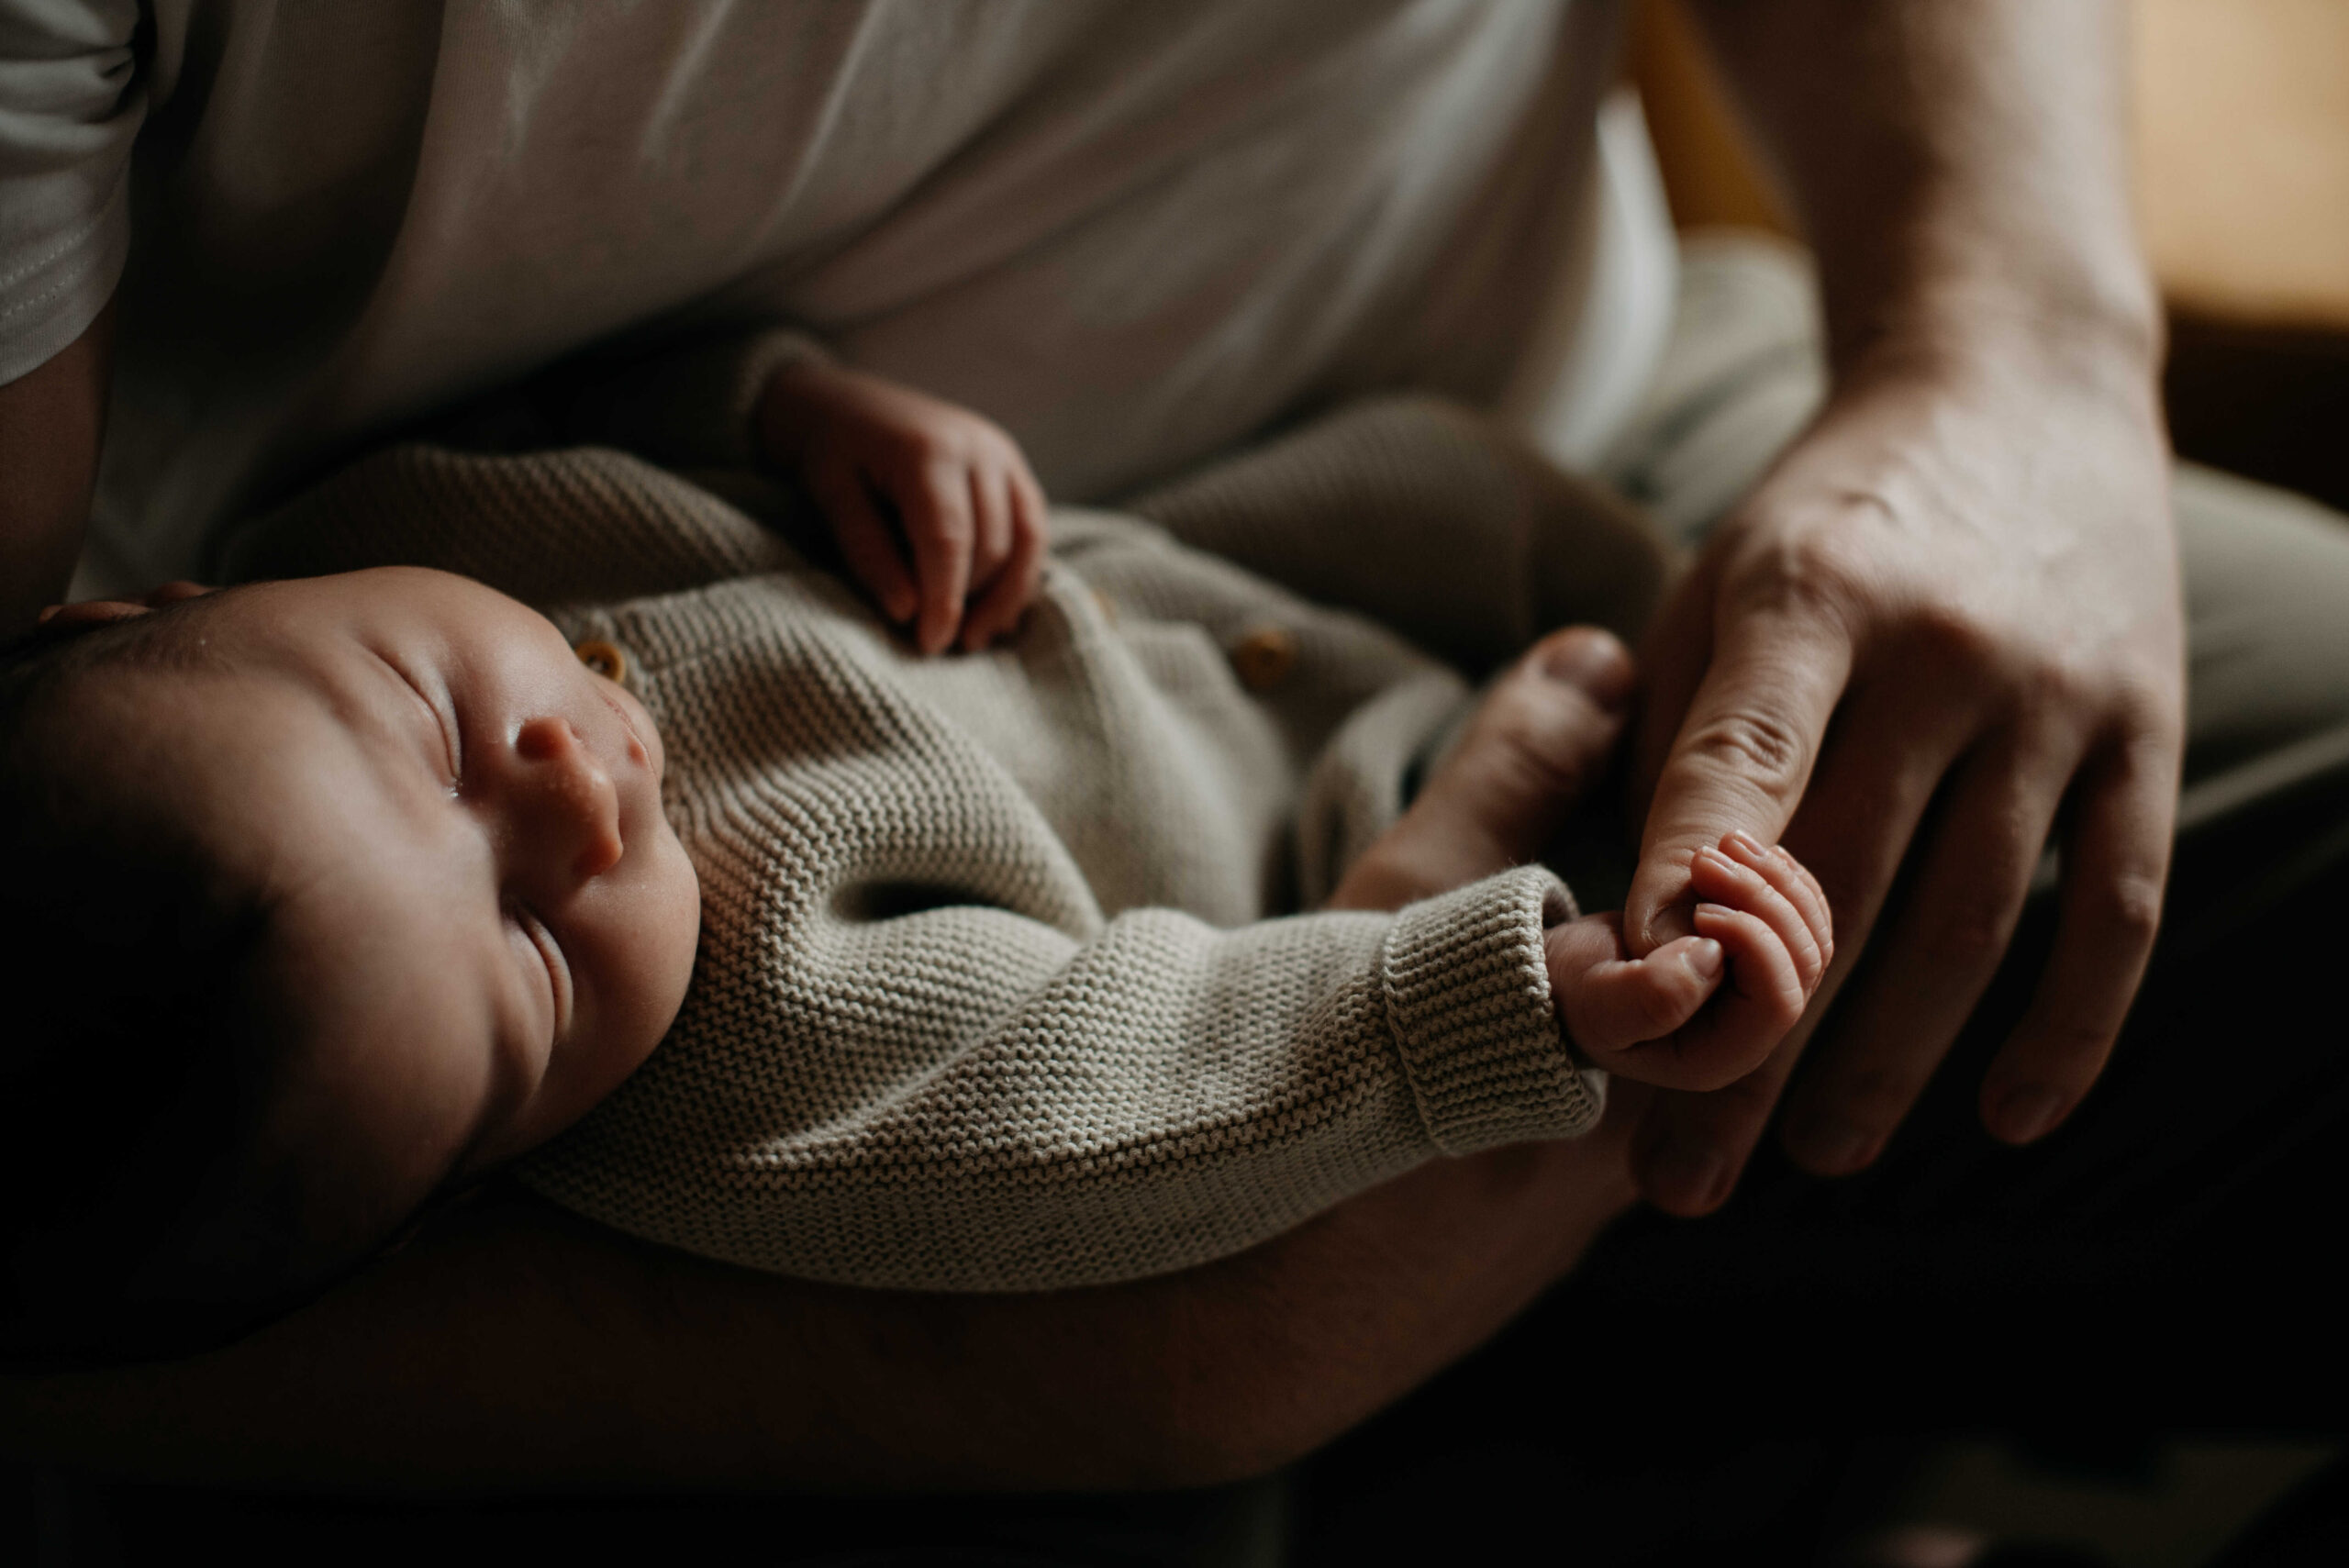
(1132, 233)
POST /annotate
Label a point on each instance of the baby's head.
(318, 896)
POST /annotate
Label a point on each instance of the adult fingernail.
(2026, 1114)
(1684, 1173)
(1706, 960)
(1597, 663)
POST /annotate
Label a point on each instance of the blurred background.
(2241, 140)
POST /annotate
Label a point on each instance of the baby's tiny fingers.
(1813, 901)
(1766, 994)
(1793, 880)
(1014, 588)
(1739, 884)
(1610, 1004)
(992, 525)
(867, 544)
(937, 512)
(999, 609)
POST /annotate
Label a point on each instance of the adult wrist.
(2108, 342)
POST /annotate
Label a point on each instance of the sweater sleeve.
(916, 1055)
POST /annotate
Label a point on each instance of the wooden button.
(603, 658)
(1263, 656)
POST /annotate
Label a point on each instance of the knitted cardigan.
(1008, 976)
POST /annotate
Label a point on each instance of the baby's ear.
(61, 621)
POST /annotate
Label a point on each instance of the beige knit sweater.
(1009, 978)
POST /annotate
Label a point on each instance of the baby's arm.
(898, 471)
(1704, 1011)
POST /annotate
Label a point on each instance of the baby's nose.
(570, 804)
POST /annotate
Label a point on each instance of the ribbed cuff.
(1468, 997)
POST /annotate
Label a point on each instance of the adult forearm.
(515, 1348)
(1960, 167)
(51, 421)
(1944, 630)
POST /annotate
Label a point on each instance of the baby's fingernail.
(1706, 959)
(1746, 842)
(2026, 1113)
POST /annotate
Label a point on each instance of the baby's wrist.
(798, 395)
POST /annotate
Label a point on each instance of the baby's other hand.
(897, 472)
(1703, 1011)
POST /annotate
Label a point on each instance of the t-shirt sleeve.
(70, 107)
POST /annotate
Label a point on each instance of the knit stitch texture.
(1009, 975)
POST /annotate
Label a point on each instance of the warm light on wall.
(2242, 133)
(2243, 143)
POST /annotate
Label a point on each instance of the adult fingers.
(867, 544)
(935, 508)
(1853, 828)
(1691, 1147)
(1742, 756)
(1014, 588)
(2115, 862)
(1866, 798)
(1889, 1036)
(1674, 652)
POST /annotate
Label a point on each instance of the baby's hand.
(1668, 1018)
(896, 471)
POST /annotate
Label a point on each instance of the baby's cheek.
(666, 927)
(646, 936)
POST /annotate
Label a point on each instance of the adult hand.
(1946, 624)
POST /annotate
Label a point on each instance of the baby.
(343, 891)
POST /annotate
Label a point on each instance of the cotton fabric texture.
(1132, 235)
(1008, 979)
